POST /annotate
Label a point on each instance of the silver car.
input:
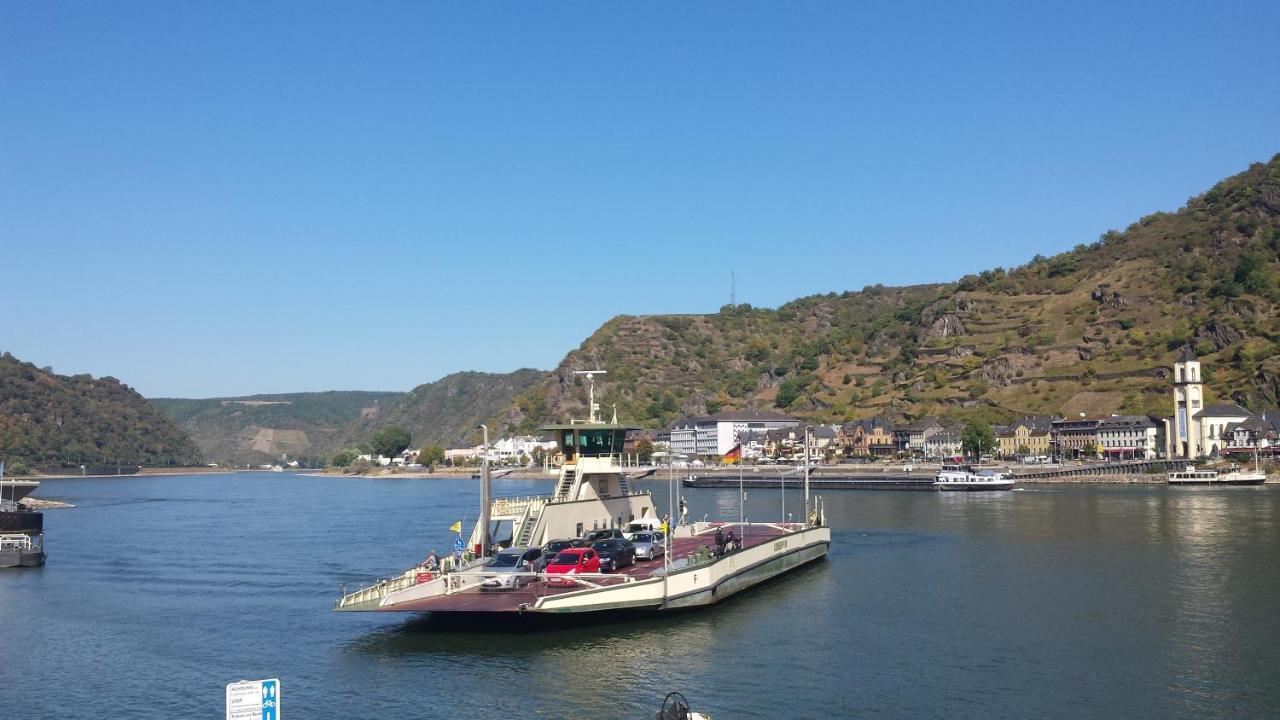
(649, 545)
(505, 569)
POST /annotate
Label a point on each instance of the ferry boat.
(1191, 476)
(592, 493)
(964, 477)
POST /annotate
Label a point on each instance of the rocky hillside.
(48, 420)
(260, 428)
(446, 411)
(1090, 330)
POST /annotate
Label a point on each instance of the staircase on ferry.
(526, 528)
(566, 483)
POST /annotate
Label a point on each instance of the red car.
(572, 561)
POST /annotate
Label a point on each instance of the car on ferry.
(641, 525)
(507, 568)
(615, 554)
(649, 545)
(572, 561)
(553, 548)
(595, 536)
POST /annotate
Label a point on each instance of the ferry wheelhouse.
(593, 494)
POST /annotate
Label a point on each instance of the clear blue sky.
(230, 198)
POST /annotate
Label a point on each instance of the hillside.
(48, 419)
(259, 428)
(1094, 329)
(446, 411)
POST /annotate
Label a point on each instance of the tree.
(431, 456)
(538, 455)
(644, 449)
(977, 438)
(390, 441)
(342, 458)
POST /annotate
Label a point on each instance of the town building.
(1131, 437)
(1029, 436)
(719, 433)
(872, 437)
(1213, 421)
(1076, 437)
(1260, 433)
(943, 441)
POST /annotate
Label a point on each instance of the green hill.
(446, 411)
(1094, 329)
(259, 428)
(48, 419)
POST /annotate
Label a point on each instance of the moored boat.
(1189, 475)
(964, 477)
(592, 496)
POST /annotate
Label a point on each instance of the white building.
(513, 447)
(1137, 437)
(719, 433)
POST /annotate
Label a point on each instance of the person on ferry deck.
(731, 544)
(684, 512)
(432, 562)
(720, 539)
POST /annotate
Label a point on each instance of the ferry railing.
(534, 582)
(516, 506)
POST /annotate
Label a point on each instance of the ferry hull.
(990, 487)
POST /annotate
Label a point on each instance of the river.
(1053, 602)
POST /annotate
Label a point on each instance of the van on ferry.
(641, 525)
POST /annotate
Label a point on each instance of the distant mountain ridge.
(47, 419)
(1094, 329)
(257, 429)
(311, 427)
(448, 410)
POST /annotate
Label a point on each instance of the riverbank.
(144, 472)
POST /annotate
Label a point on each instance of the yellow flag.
(456, 527)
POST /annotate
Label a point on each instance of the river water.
(1054, 602)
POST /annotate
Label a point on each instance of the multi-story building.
(1028, 436)
(1138, 437)
(1076, 437)
(943, 441)
(1260, 433)
(872, 437)
(719, 433)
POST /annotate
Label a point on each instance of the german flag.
(733, 455)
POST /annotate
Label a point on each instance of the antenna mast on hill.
(733, 289)
(593, 410)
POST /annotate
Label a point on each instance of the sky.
(222, 198)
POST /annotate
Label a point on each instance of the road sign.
(254, 700)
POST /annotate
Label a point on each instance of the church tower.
(1188, 396)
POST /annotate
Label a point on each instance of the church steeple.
(1188, 396)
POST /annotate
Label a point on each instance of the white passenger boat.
(593, 492)
(1191, 476)
(963, 477)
